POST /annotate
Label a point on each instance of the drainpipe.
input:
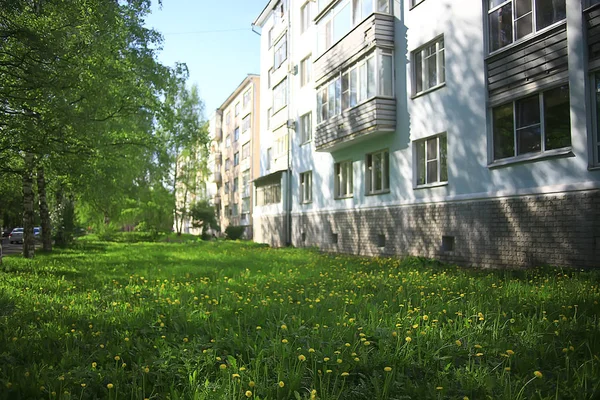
(289, 112)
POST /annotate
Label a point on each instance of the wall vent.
(447, 243)
(380, 240)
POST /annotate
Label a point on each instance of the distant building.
(461, 130)
(234, 151)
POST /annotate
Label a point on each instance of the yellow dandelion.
(83, 385)
(61, 378)
(223, 366)
(538, 374)
(284, 341)
(311, 350)
(258, 328)
(146, 370)
(301, 357)
(127, 339)
(356, 359)
(366, 343)
(94, 365)
(185, 340)
(408, 339)
(387, 369)
(345, 374)
(234, 376)
(347, 345)
(479, 354)
(458, 343)
(251, 384)
(242, 369)
(510, 352)
(110, 386)
(284, 327)
(117, 358)
(281, 384)
(439, 387)
(507, 369)
(248, 393)
(328, 371)
(339, 361)
(477, 346)
(425, 317)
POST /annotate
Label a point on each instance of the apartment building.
(235, 147)
(462, 130)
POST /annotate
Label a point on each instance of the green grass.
(224, 320)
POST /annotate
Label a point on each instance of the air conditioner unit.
(293, 69)
(291, 124)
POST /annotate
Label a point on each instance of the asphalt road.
(9, 249)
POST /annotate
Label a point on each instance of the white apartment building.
(462, 130)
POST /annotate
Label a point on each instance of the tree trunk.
(44, 213)
(28, 239)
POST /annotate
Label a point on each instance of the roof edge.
(237, 90)
(260, 20)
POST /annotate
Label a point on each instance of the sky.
(214, 39)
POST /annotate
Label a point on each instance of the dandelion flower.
(110, 386)
(235, 376)
(83, 385)
(284, 341)
(339, 360)
(439, 388)
(258, 328)
(94, 365)
(507, 369)
(479, 354)
(366, 343)
(328, 371)
(248, 393)
(326, 359)
(301, 357)
(251, 384)
(117, 358)
(185, 340)
(458, 343)
(223, 366)
(284, 327)
(345, 374)
(281, 384)
(538, 374)
(242, 369)
(146, 370)
(356, 359)
(477, 346)
(408, 339)
(311, 350)
(61, 378)
(387, 369)
(425, 317)
(510, 352)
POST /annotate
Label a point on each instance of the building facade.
(462, 130)
(235, 148)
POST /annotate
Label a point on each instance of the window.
(270, 37)
(343, 179)
(281, 144)
(431, 158)
(511, 20)
(305, 17)
(429, 69)
(280, 95)
(269, 158)
(355, 85)
(236, 158)
(413, 3)
(280, 52)
(305, 128)
(269, 81)
(228, 118)
(534, 124)
(228, 141)
(377, 172)
(245, 150)
(226, 187)
(234, 210)
(305, 71)
(268, 194)
(343, 17)
(246, 210)
(237, 109)
(246, 98)
(246, 123)
(269, 113)
(236, 134)
(235, 185)
(227, 211)
(306, 187)
(596, 98)
(227, 164)
(246, 183)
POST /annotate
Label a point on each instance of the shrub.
(234, 232)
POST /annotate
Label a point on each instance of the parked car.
(16, 236)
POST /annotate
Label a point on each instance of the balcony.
(218, 159)
(376, 31)
(218, 177)
(371, 118)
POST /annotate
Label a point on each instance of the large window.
(342, 18)
(236, 134)
(377, 172)
(245, 150)
(246, 183)
(305, 71)
(305, 17)
(511, 20)
(356, 84)
(343, 179)
(246, 123)
(305, 128)
(268, 194)
(235, 185)
(280, 52)
(236, 158)
(429, 69)
(227, 164)
(431, 155)
(247, 95)
(306, 187)
(534, 124)
(228, 141)
(280, 95)
(237, 109)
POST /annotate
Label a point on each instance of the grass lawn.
(230, 320)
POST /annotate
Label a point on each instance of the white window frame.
(280, 95)
(236, 134)
(305, 71)
(280, 53)
(306, 187)
(514, 18)
(228, 141)
(236, 159)
(246, 97)
(542, 123)
(414, 3)
(228, 117)
(439, 159)
(344, 179)
(246, 123)
(425, 60)
(362, 88)
(305, 14)
(237, 108)
(305, 128)
(245, 150)
(371, 173)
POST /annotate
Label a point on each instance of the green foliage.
(234, 232)
(204, 319)
(203, 216)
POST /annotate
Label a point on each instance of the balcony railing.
(218, 177)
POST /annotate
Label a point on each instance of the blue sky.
(214, 39)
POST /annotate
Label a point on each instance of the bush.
(234, 232)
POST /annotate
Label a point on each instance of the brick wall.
(559, 229)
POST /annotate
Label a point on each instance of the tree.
(185, 135)
(203, 216)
